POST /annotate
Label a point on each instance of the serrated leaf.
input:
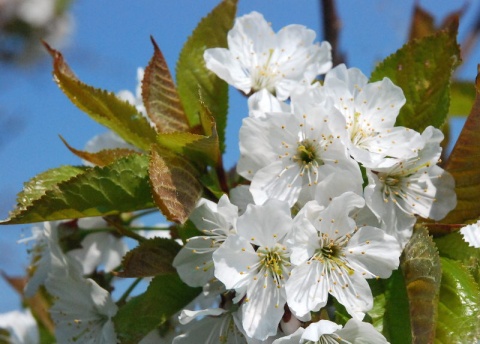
(102, 106)
(193, 78)
(464, 165)
(103, 157)
(422, 68)
(453, 246)
(423, 23)
(462, 97)
(459, 306)
(175, 185)
(160, 96)
(165, 296)
(150, 258)
(41, 183)
(420, 264)
(396, 321)
(119, 187)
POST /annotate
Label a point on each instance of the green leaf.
(454, 247)
(175, 184)
(200, 148)
(396, 321)
(165, 296)
(459, 306)
(102, 106)
(150, 258)
(420, 264)
(464, 165)
(193, 78)
(103, 157)
(119, 187)
(422, 68)
(36, 187)
(160, 96)
(462, 97)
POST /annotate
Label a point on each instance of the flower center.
(274, 260)
(264, 76)
(307, 154)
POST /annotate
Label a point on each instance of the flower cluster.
(333, 190)
(329, 192)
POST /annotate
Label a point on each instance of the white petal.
(371, 249)
(316, 330)
(359, 332)
(194, 262)
(471, 234)
(265, 225)
(232, 261)
(306, 288)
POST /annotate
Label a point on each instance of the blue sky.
(111, 39)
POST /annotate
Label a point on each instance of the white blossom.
(285, 153)
(416, 186)
(98, 249)
(333, 256)
(327, 332)
(20, 328)
(370, 111)
(255, 264)
(257, 58)
(194, 262)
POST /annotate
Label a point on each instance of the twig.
(331, 29)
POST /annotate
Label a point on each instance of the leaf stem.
(114, 222)
(123, 298)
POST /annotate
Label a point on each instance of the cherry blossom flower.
(98, 249)
(333, 256)
(283, 153)
(255, 264)
(326, 332)
(194, 262)
(257, 58)
(416, 186)
(82, 310)
(370, 111)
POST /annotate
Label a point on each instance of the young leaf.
(160, 96)
(462, 97)
(459, 306)
(200, 148)
(396, 324)
(175, 184)
(464, 165)
(422, 68)
(36, 187)
(104, 107)
(165, 296)
(192, 75)
(103, 157)
(150, 258)
(453, 246)
(420, 264)
(119, 187)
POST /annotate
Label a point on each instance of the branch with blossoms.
(339, 224)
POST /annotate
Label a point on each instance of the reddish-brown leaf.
(464, 165)
(160, 96)
(175, 185)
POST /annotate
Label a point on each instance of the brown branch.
(331, 29)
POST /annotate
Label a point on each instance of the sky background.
(111, 39)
